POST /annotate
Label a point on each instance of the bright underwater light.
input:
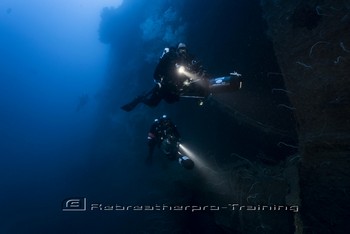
(181, 69)
(199, 163)
(214, 178)
(192, 77)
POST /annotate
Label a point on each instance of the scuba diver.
(176, 73)
(164, 134)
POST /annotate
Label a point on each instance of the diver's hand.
(187, 82)
(158, 82)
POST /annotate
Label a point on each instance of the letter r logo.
(74, 204)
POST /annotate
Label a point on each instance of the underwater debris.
(304, 65)
(338, 59)
(281, 90)
(244, 119)
(280, 144)
(9, 10)
(341, 44)
(319, 42)
(285, 106)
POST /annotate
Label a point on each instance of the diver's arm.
(152, 142)
(197, 67)
(158, 74)
(176, 132)
(161, 69)
(164, 66)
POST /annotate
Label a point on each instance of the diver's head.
(181, 48)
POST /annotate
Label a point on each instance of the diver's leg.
(154, 99)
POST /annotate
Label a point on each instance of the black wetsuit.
(166, 74)
(159, 130)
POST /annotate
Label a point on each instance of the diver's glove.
(187, 82)
(159, 82)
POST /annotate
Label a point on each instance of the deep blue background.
(50, 151)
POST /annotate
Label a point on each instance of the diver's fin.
(131, 105)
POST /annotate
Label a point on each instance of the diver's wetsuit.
(169, 81)
(158, 131)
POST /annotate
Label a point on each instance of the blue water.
(54, 145)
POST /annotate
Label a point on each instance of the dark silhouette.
(177, 74)
(164, 133)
